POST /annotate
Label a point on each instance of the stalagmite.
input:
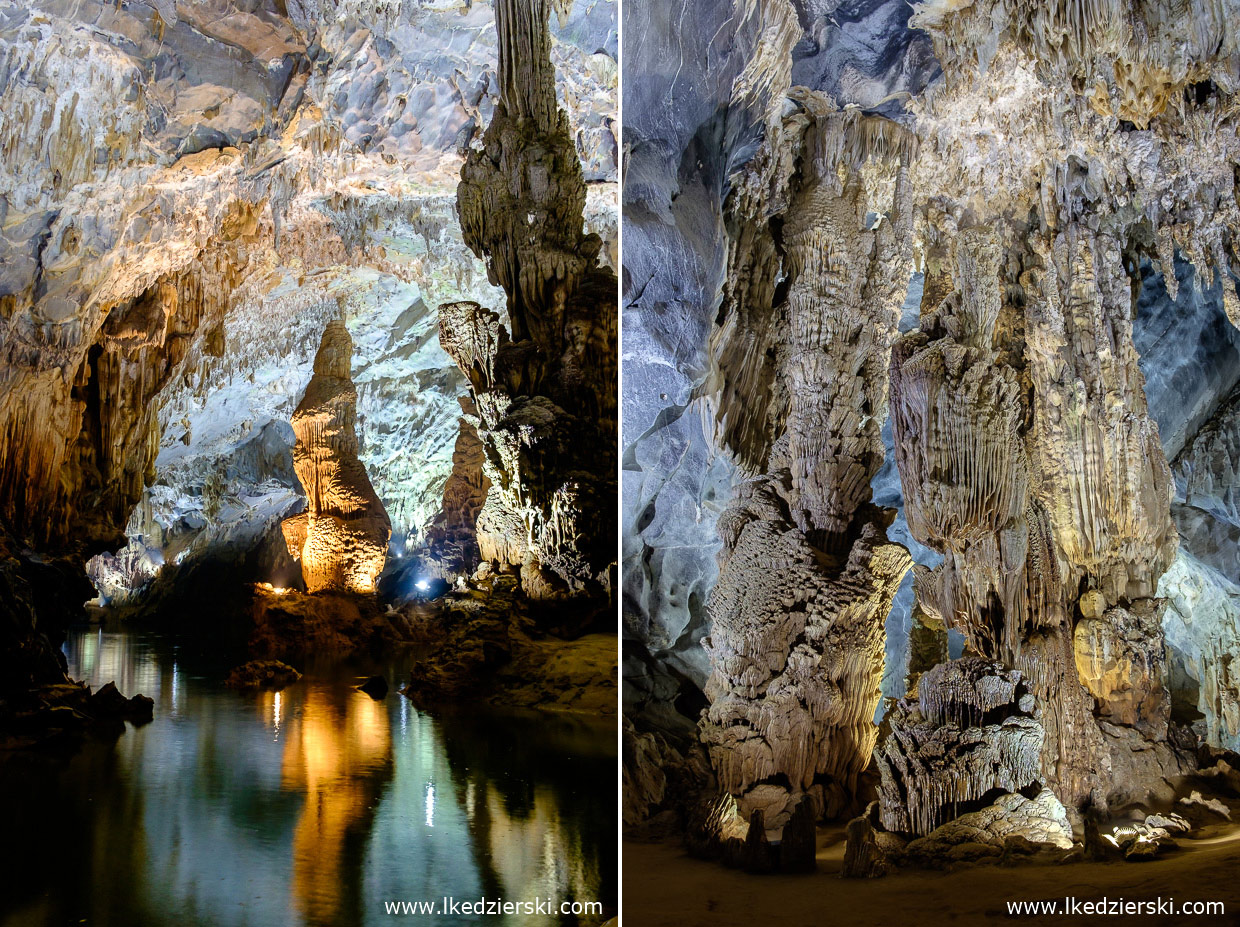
(342, 538)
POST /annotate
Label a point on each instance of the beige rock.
(1121, 659)
(1041, 820)
(972, 730)
(342, 538)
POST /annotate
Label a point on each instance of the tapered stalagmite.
(342, 537)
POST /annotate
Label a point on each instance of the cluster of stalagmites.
(1025, 447)
(341, 539)
(543, 386)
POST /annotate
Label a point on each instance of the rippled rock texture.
(976, 262)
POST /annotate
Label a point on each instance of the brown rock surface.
(544, 394)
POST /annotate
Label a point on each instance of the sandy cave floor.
(663, 885)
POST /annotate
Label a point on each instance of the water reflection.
(311, 806)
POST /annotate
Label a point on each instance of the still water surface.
(311, 806)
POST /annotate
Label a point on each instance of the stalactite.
(972, 731)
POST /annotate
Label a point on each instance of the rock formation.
(341, 539)
(973, 730)
(806, 573)
(189, 195)
(544, 384)
(797, 650)
(1059, 205)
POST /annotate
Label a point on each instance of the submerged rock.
(271, 675)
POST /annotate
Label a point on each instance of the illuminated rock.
(1121, 659)
(796, 649)
(807, 576)
(971, 731)
(342, 538)
(1010, 821)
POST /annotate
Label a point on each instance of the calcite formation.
(806, 573)
(341, 539)
(1121, 660)
(187, 193)
(797, 646)
(1057, 389)
(1012, 822)
(544, 384)
(972, 730)
(452, 539)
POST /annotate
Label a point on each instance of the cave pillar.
(341, 539)
(807, 575)
(544, 385)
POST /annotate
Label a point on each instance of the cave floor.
(663, 885)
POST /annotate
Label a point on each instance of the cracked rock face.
(341, 540)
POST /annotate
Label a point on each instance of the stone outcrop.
(1040, 821)
(972, 731)
(544, 383)
(341, 540)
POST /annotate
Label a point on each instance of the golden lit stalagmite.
(342, 537)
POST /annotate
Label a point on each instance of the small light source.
(422, 585)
